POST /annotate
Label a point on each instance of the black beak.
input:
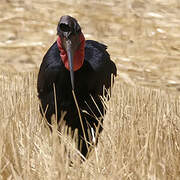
(67, 26)
(70, 53)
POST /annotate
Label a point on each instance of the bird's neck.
(78, 56)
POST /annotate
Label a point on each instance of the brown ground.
(142, 36)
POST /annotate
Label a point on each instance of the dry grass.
(142, 35)
(141, 137)
(141, 130)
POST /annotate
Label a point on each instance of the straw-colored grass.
(141, 132)
(142, 35)
(141, 137)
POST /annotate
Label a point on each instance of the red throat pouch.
(78, 55)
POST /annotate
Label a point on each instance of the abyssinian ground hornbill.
(73, 65)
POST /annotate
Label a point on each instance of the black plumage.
(89, 80)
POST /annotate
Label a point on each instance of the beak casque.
(67, 26)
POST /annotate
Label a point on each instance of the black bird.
(74, 65)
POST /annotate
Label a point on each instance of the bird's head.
(71, 43)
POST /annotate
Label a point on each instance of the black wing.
(101, 64)
(49, 70)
